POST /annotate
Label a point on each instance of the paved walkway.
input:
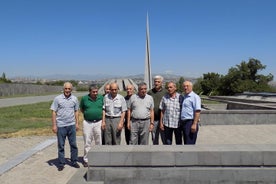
(40, 167)
(6, 102)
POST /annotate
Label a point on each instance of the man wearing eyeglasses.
(65, 124)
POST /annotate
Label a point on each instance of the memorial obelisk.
(147, 74)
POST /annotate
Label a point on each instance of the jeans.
(70, 133)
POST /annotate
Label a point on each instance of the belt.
(140, 119)
(93, 121)
(112, 117)
(185, 120)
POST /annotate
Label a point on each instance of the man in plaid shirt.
(170, 114)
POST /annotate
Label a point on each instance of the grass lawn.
(32, 119)
(26, 120)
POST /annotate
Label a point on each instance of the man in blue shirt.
(190, 113)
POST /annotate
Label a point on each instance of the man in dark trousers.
(157, 93)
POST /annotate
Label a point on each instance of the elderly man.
(190, 114)
(91, 106)
(114, 109)
(130, 91)
(140, 112)
(157, 93)
(65, 123)
(170, 114)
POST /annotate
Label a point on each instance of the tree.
(179, 85)
(245, 77)
(3, 79)
(210, 83)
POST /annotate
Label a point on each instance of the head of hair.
(68, 83)
(92, 87)
(141, 84)
(158, 77)
(188, 82)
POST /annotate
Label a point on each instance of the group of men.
(159, 111)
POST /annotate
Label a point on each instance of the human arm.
(128, 119)
(121, 123)
(54, 122)
(103, 121)
(77, 119)
(151, 120)
(196, 120)
(161, 125)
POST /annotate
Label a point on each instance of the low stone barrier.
(237, 117)
(182, 164)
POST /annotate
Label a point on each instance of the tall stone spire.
(147, 75)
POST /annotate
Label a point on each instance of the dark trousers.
(169, 135)
(188, 136)
(156, 132)
(127, 133)
(70, 133)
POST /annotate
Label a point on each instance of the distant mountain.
(94, 76)
(79, 76)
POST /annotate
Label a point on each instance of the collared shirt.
(140, 107)
(191, 103)
(65, 109)
(92, 109)
(171, 107)
(114, 107)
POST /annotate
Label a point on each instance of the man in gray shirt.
(140, 111)
(65, 123)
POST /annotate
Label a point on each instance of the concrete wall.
(193, 164)
(237, 117)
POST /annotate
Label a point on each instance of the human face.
(157, 84)
(107, 89)
(171, 89)
(113, 90)
(129, 90)
(93, 93)
(187, 87)
(67, 89)
(142, 91)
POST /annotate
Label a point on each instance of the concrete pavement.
(40, 166)
(6, 102)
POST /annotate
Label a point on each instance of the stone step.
(182, 164)
(182, 175)
(182, 156)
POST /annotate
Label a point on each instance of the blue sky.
(187, 37)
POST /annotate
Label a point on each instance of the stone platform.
(182, 164)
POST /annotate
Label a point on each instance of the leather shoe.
(76, 165)
(85, 164)
(60, 168)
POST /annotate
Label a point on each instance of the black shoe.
(76, 165)
(60, 168)
(85, 164)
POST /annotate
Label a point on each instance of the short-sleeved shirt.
(171, 107)
(191, 103)
(140, 107)
(65, 109)
(92, 109)
(114, 107)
